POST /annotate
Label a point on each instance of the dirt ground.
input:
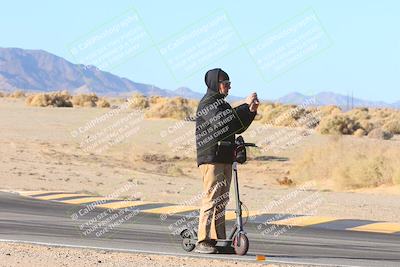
(56, 149)
(26, 255)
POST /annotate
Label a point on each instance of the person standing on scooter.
(216, 125)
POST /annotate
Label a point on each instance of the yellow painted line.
(84, 200)
(231, 215)
(123, 204)
(57, 196)
(381, 227)
(304, 220)
(171, 209)
(32, 193)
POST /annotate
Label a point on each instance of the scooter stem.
(238, 203)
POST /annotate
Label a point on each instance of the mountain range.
(38, 70)
(329, 98)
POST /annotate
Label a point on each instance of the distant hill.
(396, 104)
(38, 70)
(329, 98)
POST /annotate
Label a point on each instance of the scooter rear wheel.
(241, 247)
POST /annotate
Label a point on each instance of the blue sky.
(363, 56)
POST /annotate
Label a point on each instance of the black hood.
(211, 80)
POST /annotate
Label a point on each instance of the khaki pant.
(216, 183)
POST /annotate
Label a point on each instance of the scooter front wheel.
(187, 240)
(241, 244)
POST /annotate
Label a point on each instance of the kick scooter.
(237, 237)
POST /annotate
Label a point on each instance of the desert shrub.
(1, 94)
(359, 113)
(338, 124)
(64, 99)
(85, 100)
(380, 113)
(292, 115)
(102, 103)
(392, 126)
(379, 133)
(176, 108)
(392, 123)
(342, 163)
(154, 158)
(289, 116)
(193, 104)
(37, 100)
(174, 170)
(360, 132)
(366, 125)
(55, 99)
(17, 94)
(329, 110)
(276, 114)
(155, 99)
(164, 107)
(139, 101)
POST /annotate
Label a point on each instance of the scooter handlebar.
(250, 144)
(229, 143)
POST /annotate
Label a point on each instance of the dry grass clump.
(163, 107)
(362, 121)
(342, 163)
(329, 110)
(285, 115)
(102, 103)
(331, 120)
(85, 100)
(271, 112)
(55, 99)
(17, 94)
(281, 114)
(65, 99)
(359, 132)
(392, 123)
(174, 170)
(338, 124)
(139, 101)
(175, 108)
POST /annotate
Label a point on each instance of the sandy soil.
(42, 149)
(37, 255)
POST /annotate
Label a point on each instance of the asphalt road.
(30, 220)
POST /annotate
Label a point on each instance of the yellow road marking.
(382, 227)
(84, 200)
(303, 220)
(171, 209)
(32, 193)
(57, 196)
(231, 215)
(123, 204)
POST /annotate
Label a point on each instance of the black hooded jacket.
(217, 121)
